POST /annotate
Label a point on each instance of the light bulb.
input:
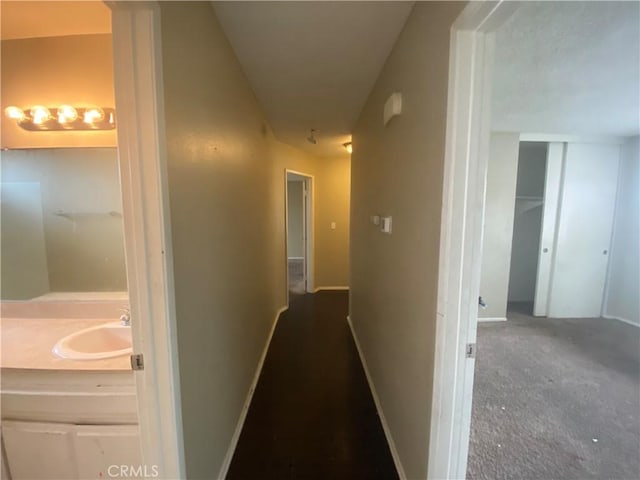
(348, 146)
(92, 115)
(14, 113)
(40, 114)
(67, 114)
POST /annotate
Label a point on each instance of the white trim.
(374, 393)
(247, 403)
(492, 319)
(466, 155)
(139, 98)
(623, 320)
(330, 288)
(562, 138)
(295, 258)
(309, 216)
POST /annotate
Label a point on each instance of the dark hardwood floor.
(312, 415)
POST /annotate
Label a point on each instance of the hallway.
(312, 414)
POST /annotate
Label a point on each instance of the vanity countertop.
(28, 343)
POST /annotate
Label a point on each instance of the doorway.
(298, 232)
(527, 225)
(462, 249)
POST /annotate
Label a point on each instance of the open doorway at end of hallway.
(298, 228)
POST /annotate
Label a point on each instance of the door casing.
(308, 214)
(139, 98)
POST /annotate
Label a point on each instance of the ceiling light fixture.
(348, 146)
(311, 138)
(65, 117)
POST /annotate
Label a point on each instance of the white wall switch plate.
(385, 224)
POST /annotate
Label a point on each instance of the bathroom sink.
(104, 341)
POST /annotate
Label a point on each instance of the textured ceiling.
(312, 64)
(27, 19)
(569, 68)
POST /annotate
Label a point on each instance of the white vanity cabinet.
(68, 424)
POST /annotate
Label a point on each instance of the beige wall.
(84, 251)
(24, 255)
(75, 70)
(397, 170)
(498, 223)
(295, 230)
(227, 198)
(332, 199)
(331, 202)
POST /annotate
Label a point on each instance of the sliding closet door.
(587, 202)
(553, 177)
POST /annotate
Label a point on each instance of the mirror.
(61, 231)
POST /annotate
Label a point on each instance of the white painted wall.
(498, 224)
(623, 290)
(295, 242)
(527, 223)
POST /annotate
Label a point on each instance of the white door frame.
(308, 226)
(466, 155)
(139, 98)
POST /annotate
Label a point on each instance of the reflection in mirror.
(61, 227)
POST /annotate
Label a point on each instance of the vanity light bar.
(63, 118)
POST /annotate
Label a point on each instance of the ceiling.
(561, 67)
(29, 19)
(312, 64)
(569, 68)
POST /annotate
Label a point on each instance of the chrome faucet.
(125, 318)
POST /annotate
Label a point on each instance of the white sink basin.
(104, 341)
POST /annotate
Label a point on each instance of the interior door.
(587, 203)
(553, 177)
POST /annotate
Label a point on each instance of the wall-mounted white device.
(385, 224)
(392, 107)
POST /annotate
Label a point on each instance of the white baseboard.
(330, 288)
(623, 320)
(243, 414)
(492, 319)
(374, 393)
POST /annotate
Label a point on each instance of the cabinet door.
(587, 203)
(39, 450)
(108, 451)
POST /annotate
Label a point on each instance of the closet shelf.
(76, 215)
(525, 204)
(529, 198)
